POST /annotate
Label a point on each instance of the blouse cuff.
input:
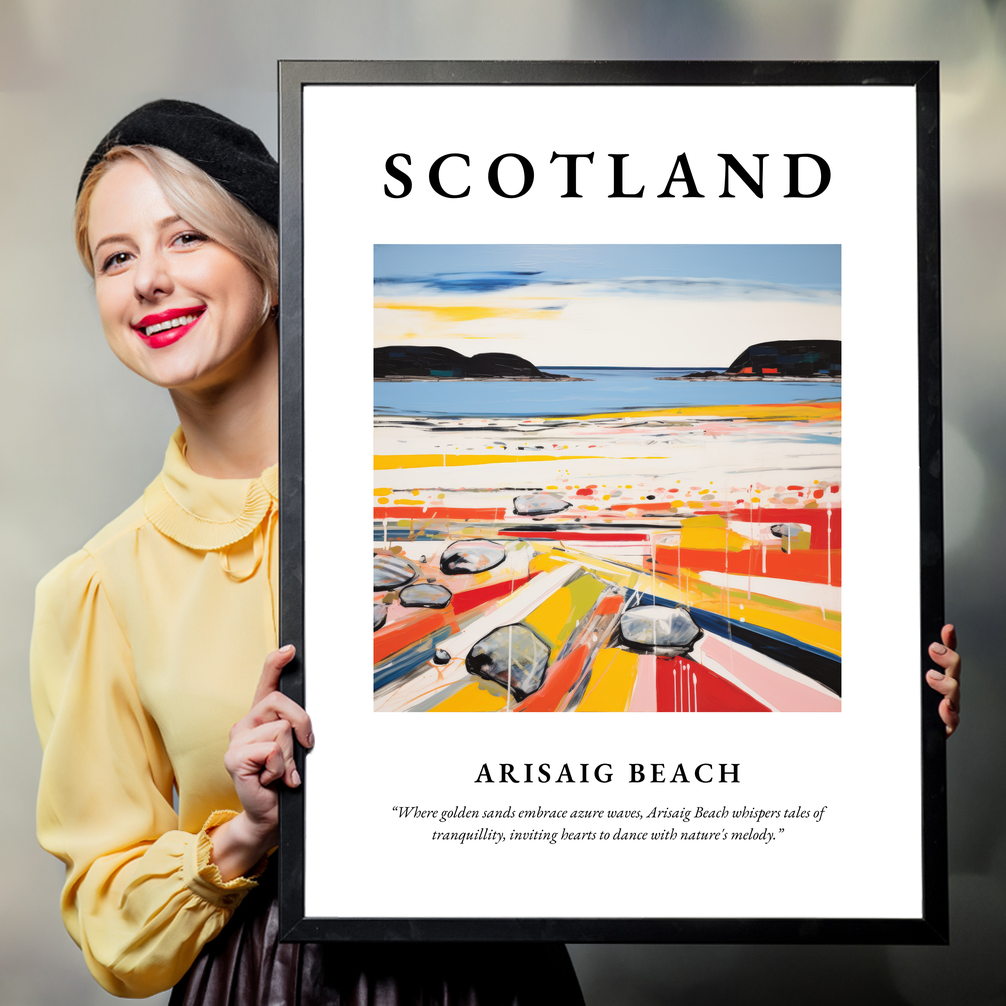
(202, 876)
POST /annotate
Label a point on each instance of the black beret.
(230, 154)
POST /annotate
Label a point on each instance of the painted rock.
(392, 571)
(513, 655)
(660, 629)
(536, 504)
(425, 595)
(472, 556)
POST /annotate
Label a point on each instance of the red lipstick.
(166, 327)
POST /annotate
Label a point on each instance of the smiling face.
(177, 307)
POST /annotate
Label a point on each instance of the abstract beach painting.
(607, 478)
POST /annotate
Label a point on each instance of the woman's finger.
(946, 685)
(946, 681)
(271, 671)
(278, 732)
(276, 706)
(261, 760)
(949, 709)
(949, 636)
(949, 660)
(273, 766)
(950, 716)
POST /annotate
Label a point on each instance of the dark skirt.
(246, 965)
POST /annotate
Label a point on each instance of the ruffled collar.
(203, 513)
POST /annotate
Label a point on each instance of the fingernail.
(936, 676)
(938, 648)
(287, 649)
(310, 740)
(295, 777)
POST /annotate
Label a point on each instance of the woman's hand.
(260, 754)
(947, 682)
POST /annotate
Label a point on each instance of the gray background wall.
(82, 437)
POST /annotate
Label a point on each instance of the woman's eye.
(114, 261)
(190, 238)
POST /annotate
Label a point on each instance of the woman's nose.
(152, 277)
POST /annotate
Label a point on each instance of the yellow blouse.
(147, 647)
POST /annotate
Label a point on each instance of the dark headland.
(411, 363)
(804, 359)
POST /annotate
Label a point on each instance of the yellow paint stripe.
(384, 462)
(476, 697)
(611, 682)
(803, 411)
(625, 576)
(543, 562)
(802, 622)
(558, 615)
(811, 628)
(470, 312)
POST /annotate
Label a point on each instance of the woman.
(148, 643)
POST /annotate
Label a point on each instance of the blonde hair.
(199, 200)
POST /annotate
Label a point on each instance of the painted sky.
(810, 266)
(606, 305)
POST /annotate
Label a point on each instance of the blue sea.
(601, 389)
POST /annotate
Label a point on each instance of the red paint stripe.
(405, 631)
(816, 518)
(573, 535)
(465, 600)
(440, 513)
(558, 681)
(715, 694)
(808, 565)
(422, 622)
(665, 509)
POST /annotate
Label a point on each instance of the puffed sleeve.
(141, 897)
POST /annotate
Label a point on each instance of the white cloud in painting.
(628, 323)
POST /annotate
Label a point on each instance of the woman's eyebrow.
(160, 225)
(109, 240)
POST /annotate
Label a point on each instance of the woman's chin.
(197, 365)
(173, 374)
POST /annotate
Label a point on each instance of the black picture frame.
(931, 927)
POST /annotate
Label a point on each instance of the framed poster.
(624, 381)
